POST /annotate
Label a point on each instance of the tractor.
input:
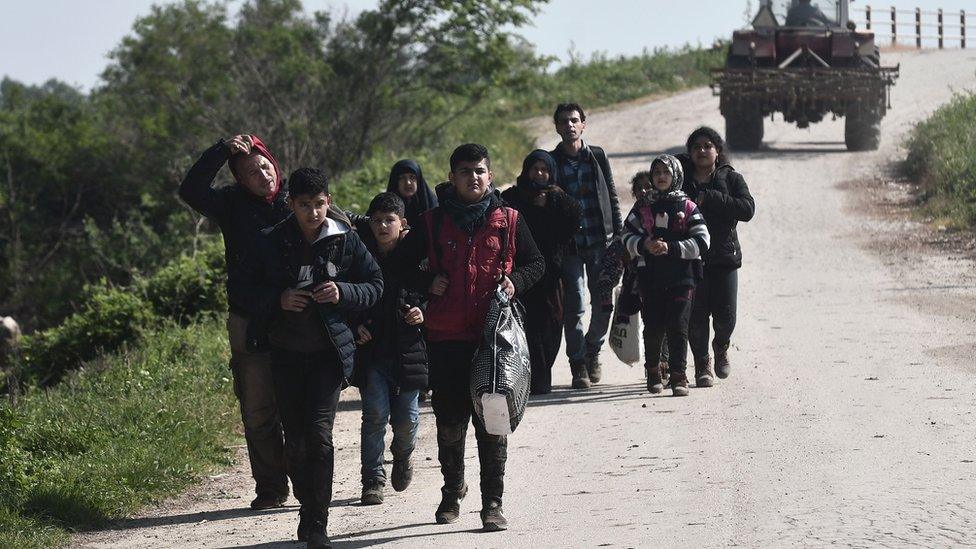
(818, 65)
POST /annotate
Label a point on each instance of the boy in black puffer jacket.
(300, 284)
(667, 234)
(391, 362)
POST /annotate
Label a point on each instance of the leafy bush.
(140, 426)
(940, 157)
(190, 284)
(111, 317)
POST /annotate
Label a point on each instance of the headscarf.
(258, 147)
(677, 179)
(422, 200)
(524, 180)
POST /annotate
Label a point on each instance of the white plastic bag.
(625, 334)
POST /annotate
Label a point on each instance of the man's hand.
(239, 144)
(439, 286)
(294, 300)
(326, 292)
(362, 335)
(656, 247)
(413, 316)
(507, 287)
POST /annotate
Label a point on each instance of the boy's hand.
(239, 144)
(413, 316)
(294, 300)
(507, 287)
(362, 335)
(326, 292)
(439, 286)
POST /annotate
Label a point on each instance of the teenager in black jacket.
(257, 200)
(553, 217)
(301, 284)
(391, 362)
(723, 198)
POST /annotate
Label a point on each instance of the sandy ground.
(848, 418)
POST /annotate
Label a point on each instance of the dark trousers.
(307, 386)
(543, 332)
(254, 389)
(665, 314)
(715, 299)
(450, 380)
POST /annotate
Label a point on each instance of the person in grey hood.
(667, 234)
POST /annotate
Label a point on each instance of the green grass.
(941, 158)
(128, 429)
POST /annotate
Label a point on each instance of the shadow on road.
(784, 152)
(189, 518)
(607, 393)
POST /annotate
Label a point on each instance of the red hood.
(262, 149)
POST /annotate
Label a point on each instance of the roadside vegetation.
(119, 393)
(941, 159)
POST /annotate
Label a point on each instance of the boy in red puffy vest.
(470, 243)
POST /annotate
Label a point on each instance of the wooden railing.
(893, 23)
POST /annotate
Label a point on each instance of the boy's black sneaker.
(722, 365)
(594, 369)
(402, 474)
(450, 508)
(581, 378)
(372, 494)
(492, 518)
(268, 501)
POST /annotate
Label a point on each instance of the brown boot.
(679, 384)
(722, 365)
(655, 384)
(704, 376)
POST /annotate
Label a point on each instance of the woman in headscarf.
(553, 217)
(407, 181)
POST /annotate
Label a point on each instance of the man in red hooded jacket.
(242, 211)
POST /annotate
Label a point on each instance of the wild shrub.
(940, 157)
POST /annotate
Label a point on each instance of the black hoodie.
(423, 200)
(723, 201)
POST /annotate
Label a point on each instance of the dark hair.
(568, 107)
(470, 152)
(387, 202)
(636, 178)
(307, 182)
(714, 137)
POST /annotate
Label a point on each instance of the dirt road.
(848, 418)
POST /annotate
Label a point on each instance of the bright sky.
(70, 39)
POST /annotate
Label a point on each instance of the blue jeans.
(575, 267)
(384, 403)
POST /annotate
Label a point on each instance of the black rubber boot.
(450, 453)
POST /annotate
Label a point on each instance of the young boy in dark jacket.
(472, 244)
(391, 362)
(667, 234)
(301, 283)
(257, 200)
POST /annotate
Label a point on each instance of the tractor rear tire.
(862, 132)
(744, 131)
